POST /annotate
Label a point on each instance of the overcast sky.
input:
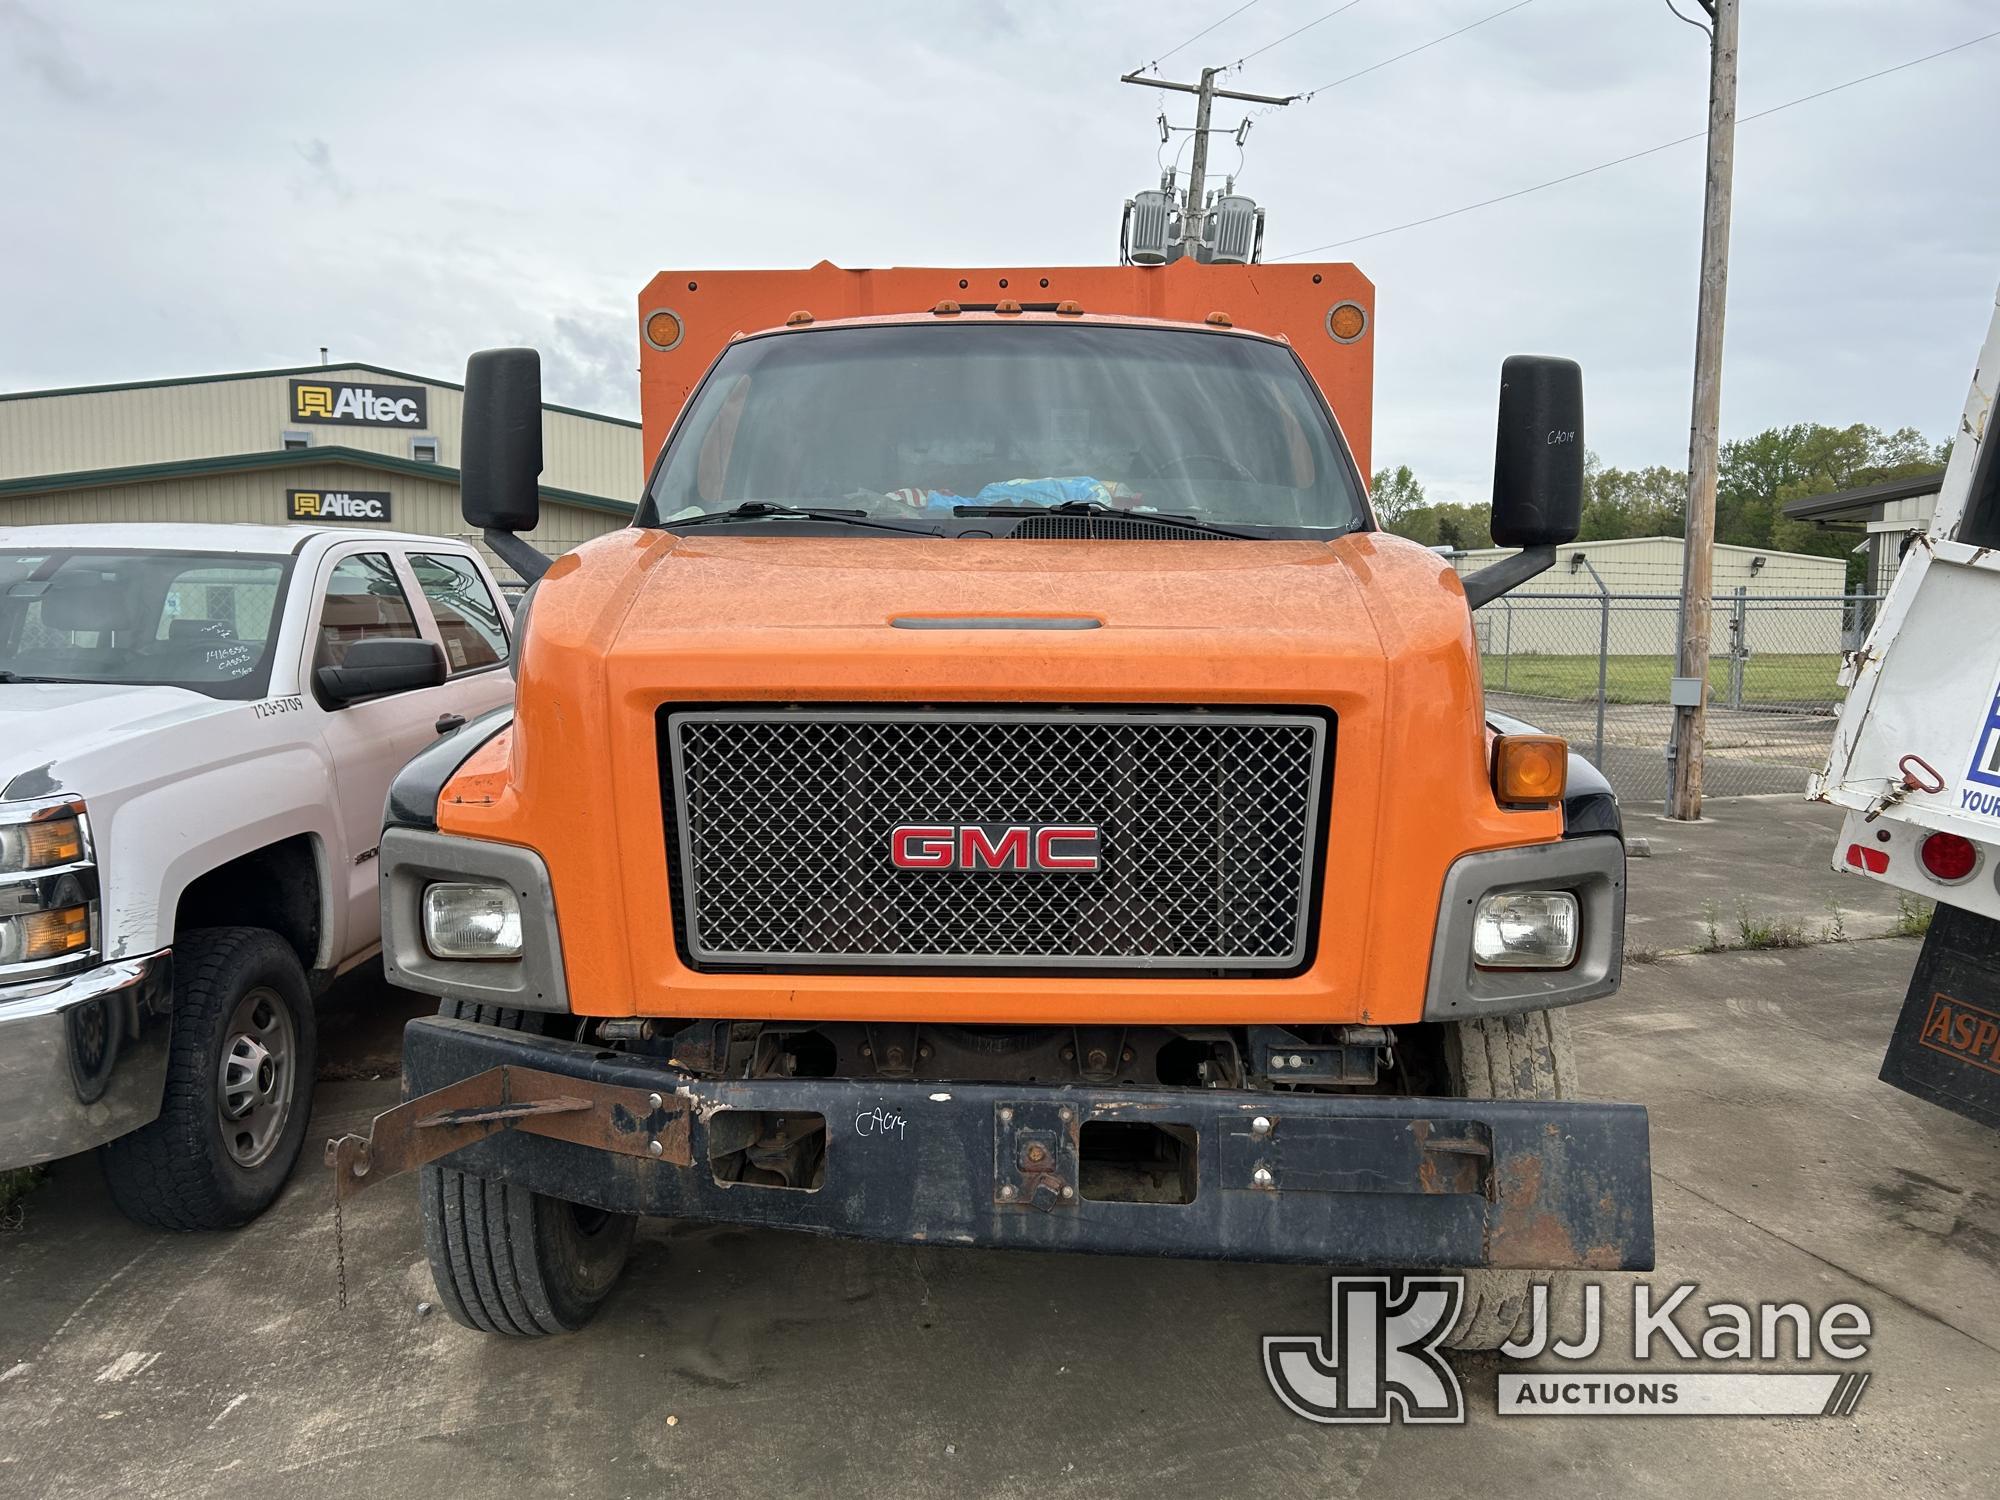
(196, 187)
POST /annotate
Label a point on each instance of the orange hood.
(1371, 627)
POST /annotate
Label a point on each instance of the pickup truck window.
(177, 619)
(364, 602)
(467, 618)
(917, 422)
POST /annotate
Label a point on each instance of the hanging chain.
(339, 1251)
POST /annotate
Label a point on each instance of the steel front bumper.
(83, 1060)
(1351, 1180)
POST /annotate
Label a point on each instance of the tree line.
(1758, 475)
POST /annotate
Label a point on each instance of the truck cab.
(198, 728)
(1005, 789)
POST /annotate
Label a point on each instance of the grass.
(1772, 932)
(15, 1185)
(1913, 915)
(1767, 677)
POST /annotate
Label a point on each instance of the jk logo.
(1378, 1361)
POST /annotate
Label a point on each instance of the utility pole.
(1206, 93)
(1690, 689)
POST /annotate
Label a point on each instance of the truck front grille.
(781, 825)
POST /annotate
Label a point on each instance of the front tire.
(239, 1087)
(507, 1260)
(1527, 1056)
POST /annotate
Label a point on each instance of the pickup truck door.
(464, 613)
(365, 591)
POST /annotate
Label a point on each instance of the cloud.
(320, 175)
(591, 361)
(37, 49)
(517, 172)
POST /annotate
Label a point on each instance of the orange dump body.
(1371, 627)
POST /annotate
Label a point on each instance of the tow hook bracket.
(418, 1131)
(1035, 1155)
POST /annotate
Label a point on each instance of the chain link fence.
(1595, 664)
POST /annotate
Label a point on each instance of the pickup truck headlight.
(40, 845)
(48, 889)
(1525, 930)
(468, 920)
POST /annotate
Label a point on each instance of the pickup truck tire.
(507, 1260)
(1526, 1056)
(239, 1087)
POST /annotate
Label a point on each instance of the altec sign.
(337, 401)
(337, 505)
(1012, 848)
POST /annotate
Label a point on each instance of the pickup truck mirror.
(1537, 470)
(372, 668)
(500, 453)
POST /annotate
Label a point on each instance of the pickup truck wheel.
(1526, 1056)
(507, 1260)
(239, 1087)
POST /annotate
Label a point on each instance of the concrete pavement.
(749, 1363)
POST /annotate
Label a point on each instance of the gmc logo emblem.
(1069, 848)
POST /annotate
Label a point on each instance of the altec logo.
(1016, 848)
(362, 405)
(337, 505)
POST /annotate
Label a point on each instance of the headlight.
(40, 845)
(471, 921)
(43, 935)
(1525, 930)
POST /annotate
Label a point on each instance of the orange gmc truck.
(1005, 789)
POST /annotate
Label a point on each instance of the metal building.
(336, 443)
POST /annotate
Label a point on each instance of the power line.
(1299, 32)
(1197, 36)
(1425, 47)
(1620, 161)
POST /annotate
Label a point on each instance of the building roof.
(1857, 503)
(279, 458)
(346, 364)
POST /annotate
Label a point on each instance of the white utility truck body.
(1916, 764)
(175, 761)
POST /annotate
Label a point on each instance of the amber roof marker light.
(1346, 321)
(664, 329)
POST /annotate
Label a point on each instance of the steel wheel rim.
(254, 1079)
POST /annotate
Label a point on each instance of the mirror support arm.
(531, 563)
(1506, 575)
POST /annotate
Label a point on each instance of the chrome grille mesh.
(783, 822)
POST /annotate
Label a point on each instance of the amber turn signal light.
(1530, 770)
(57, 841)
(53, 934)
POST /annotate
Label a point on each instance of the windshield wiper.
(6, 676)
(1094, 508)
(757, 510)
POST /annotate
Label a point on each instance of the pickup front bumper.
(83, 1059)
(1327, 1179)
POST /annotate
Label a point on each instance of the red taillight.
(1949, 858)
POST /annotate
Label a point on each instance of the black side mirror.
(372, 668)
(500, 453)
(1537, 471)
(1538, 453)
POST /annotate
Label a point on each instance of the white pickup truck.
(1916, 765)
(198, 727)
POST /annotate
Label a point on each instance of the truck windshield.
(917, 423)
(182, 619)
